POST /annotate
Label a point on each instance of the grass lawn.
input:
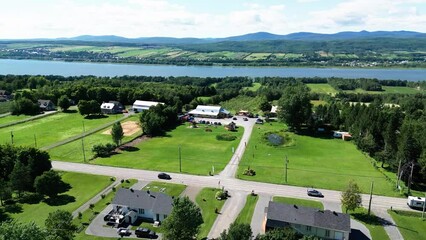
(170, 189)
(51, 129)
(247, 212)
(207, 202)
(322, 88)
(12, 118)
(200, 151)
(410, 224)
(402, 90)
(372, 222)
(318, 102)
(254, 87)
(300, 202)
(242, 102)
(89, 215)
(83, 188)
(313, 162)
(73, 151)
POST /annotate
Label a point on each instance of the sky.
(21, 19)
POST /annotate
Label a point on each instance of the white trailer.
(416, 202)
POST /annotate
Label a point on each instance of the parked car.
(234, 118)
(245, 119)
(314, 193)
(259, 121)
(164, 176)
(124, 232)
(145, 233)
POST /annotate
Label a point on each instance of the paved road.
(389, 223)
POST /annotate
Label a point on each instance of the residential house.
(324, 224)
(111, 107)
(4, 96)
(209, 112)
(46, 105)
(139, 106)
(134, 204)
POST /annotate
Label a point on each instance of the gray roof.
(277, 213)
(158, 202)
(44, 103)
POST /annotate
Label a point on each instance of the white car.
(123, 232)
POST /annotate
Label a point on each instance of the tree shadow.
(31, 198)
(371, 219)
(315, 134)
(4, 216)
(91, 117)
(13, 208)
(70, 111)
(129, 148)
(60, 200)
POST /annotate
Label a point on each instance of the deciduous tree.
(237, 231)
(13, 230)
(50, 184)
(64, 103)
(59, 225)
(351, 197)
(117, 133)
(295, 107)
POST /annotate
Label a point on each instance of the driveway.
(259, 213)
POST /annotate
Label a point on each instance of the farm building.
(46, 105)
(308, 221)
(209, 112)
(140, 105)
(111, 107)
(130, 205)
(343, 135)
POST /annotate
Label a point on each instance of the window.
(327, 233)
(141, 211)
(308, 228)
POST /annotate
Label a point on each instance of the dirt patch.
(129, 128)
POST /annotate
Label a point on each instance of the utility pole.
(82, 143)
(11, 136)
(286, 167)
(371, 197)
(399, 174)
(411, 177)
(180, 159)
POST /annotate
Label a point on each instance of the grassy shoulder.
(73, 151)
(314, 161)
(410, 224)
(170, 189)
(246, 213)
(207, 202)
(299, 202)
(83, 188)
(48, 130)
(88, 215)
(200, 151)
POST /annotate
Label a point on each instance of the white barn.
(209, 112)
(139, 106)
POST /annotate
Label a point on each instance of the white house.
(133, 204)
(324, 224)
(274, 109)
(111, 107)
(209, 112)
(139, 105)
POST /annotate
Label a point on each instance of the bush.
(112, 179)
(80, 215)
(208, 130)
(103, 196)
(221, 195)
(226, 137)
(102, 150)
(249, 172)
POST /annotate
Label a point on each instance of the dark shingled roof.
(158, 202)
(277, 213)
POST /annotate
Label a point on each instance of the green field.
(12, 118)
(254, 87)
(207, 202)
(170, 189)
(300, 202)
(246, 213)
(51, 129)
(322, 88)
(410, 224)
(402, 90)
(83, 188)
(73, 151)
(242, 103)
(313, 162)
(199, 150)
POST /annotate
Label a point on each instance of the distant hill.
(259, 36)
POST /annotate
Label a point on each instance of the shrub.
(221, 195)
(208, 130)
(102, 150)
(80, 215)
(112, 179)
(122, 180)
(114, 189)
(103, 196)
(226, 137)
(249, 172)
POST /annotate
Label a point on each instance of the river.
(34, 67)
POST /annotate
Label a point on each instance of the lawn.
(322, 88)
(242, 102)
(254, 87)
(319, 162)
(12, 118)
(208, 203)
(402, 90)
(200, 150)
(88, 215)
(48, 130)
(83, 188)
(73, 151)
(372, 222)
(300, 202)
(410, 224)
(170, 189)
(247, 212)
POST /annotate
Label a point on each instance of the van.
(415, 202)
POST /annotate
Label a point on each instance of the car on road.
(234, 118)
(164, 176)
(314, 193)
(145, 233)
(245, 119)
(124, 232)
